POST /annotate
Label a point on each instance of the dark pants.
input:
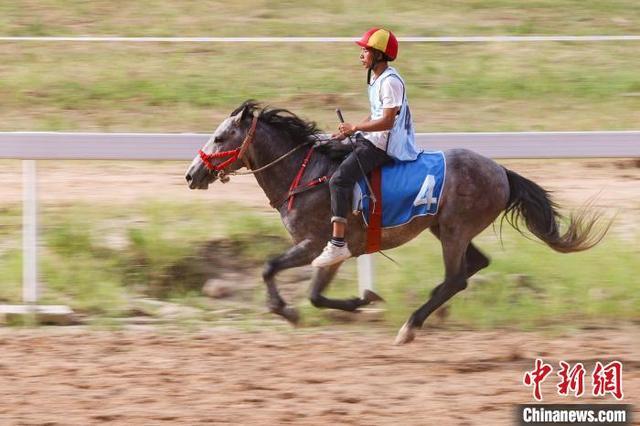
(348, 173)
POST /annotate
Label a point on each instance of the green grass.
(556, 86)
(83, 267)
(96, 259)
(10, 254)
(316, 18)
(191, 87)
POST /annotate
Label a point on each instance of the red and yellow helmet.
(382, 40)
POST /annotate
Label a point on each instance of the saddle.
(403, 190)
(335, 149)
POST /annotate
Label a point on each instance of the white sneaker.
(331, 255)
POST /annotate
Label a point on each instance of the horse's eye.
(217, 139)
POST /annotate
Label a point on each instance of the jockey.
(385, 135)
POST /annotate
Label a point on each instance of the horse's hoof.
(405, 335)
(371, 296)
(290, 314)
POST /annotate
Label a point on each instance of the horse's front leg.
(322, 277)
(299, 255)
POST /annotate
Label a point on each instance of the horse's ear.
(241, 115)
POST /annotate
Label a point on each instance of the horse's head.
(223, 152)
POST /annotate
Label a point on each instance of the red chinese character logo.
(536, 377)
(572, 379)
(607, 379)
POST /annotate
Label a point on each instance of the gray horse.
(273, 144)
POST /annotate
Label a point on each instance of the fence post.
(29, 232)
(365, 273)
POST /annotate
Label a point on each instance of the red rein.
(206, 158)
(237, 154)
(296, 180)
(234, 155)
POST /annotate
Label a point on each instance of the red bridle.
(238, 154)
(234, 154)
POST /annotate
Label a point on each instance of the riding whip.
(353, 146)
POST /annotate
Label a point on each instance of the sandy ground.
(223, 376)
(615, 181)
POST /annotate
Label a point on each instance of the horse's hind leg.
(321, 279)
(454, 248)
(476, 260)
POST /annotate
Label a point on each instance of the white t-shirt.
(390, 93)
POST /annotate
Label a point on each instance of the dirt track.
(331, 376)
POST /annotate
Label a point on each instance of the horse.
(476, 191)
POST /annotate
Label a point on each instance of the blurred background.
(126, 242)
(112, 231)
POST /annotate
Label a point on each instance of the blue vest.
(402, 140)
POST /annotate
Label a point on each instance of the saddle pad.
(409, 189)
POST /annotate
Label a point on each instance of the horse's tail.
(529, 201)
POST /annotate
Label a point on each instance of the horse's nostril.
(188, 178)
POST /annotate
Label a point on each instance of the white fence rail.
(183, 146)
(31, 146)
(410, 39)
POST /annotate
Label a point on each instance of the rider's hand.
(347, 129)
(338, 136)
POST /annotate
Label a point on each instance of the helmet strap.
(377, 58)
(374, 62)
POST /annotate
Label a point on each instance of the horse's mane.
(298, 130)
